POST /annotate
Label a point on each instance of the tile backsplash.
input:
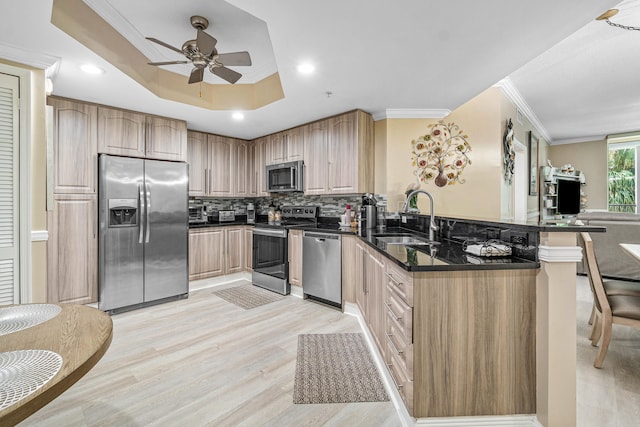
(330, 206)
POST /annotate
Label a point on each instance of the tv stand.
(549, 177)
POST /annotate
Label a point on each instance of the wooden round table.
(80, 334)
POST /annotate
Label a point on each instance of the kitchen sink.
(406, 239)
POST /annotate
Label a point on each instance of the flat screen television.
(568, 197)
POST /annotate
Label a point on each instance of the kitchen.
(387, 171)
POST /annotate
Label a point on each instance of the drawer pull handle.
(394, 348)
(393, 279)
(395, 383)
(395, 316)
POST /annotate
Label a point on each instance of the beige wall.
(38, 180)
(479, 196)
(590, 158)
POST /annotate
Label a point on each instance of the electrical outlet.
(404, 219)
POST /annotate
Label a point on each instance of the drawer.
(399, 346)
(402, 382)
(400, 312)
(401, 280)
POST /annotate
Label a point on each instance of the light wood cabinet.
(315, 158)
(277, 152)
(166, 139)
(261, 150)
(376, 289)
(234, 249)
(206, 249)
(295, 257)
(248, 248)
(198, 163)
(72, 250)
(74, 147)
(287, 146)
(338, 155)
(121, 132)
(215, 251)
(127, 133)
(240, 170)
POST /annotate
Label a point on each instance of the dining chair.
(609, 309)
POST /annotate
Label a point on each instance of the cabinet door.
(376, 287)
(166, 139)
(72, 250)
(206, 253)
(295, 257)
(294, 144)
(252, 176)
(360, 284)
(75, 147)
(277, 151)
(240, 169)
(198, 166)
(260, 146)
(343, 154)
(220, 149)
(121, 132)
(248, 248)
(315, 154)
(234, 249)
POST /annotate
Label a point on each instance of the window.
(622, 158)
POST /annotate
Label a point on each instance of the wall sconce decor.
(441, 155)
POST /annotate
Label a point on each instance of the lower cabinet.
(295, 257)
(215, 251)
(72, 250)
(248, 249)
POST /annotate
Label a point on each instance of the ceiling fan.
(202, 53)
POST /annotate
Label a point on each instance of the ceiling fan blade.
(196, 75)
(206, 43)
(168, 46)
(168, 62)
(226, 74)
(234, 59)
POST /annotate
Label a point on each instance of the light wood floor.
(610, 396)
(203, 361)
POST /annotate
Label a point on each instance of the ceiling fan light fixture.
(611, 13)
(306, 68)
(91, 69)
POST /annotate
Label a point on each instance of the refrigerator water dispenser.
(123, 212)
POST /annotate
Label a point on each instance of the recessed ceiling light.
(238, 116)
(91, 69)
(306, 68)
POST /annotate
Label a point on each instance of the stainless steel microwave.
(285, 177)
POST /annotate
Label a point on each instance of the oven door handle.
(270, 232)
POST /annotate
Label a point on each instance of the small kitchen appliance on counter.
(368, 211)
(226, 216)
(251, 213)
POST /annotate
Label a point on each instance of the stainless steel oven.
(270, 259)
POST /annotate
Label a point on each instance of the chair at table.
(609, 308)
(615, 287)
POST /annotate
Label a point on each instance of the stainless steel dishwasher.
(322, 266)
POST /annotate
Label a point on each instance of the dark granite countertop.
(218, 224)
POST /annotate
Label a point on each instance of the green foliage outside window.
(622, 180)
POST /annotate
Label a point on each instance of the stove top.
(295, 216)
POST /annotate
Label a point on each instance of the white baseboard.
(211, 282)
(296, 291)
(480, 421)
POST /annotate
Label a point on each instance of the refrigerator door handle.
(148, 209)
(141, 207)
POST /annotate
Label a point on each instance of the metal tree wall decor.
(441, 155)
(509, 153)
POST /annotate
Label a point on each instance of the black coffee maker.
(368, 211)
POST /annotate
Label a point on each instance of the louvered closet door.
(9, 283)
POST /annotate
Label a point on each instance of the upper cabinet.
(218, 166)
(74, 146)
(126, 133)
(287, 146)
(261, 152)
(338, 154)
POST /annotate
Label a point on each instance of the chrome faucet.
(432, 224)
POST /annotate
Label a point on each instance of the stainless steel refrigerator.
(143, 237)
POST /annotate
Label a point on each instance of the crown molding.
(587, 138)
(411, 113)
(511, 92)
(20, 55)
